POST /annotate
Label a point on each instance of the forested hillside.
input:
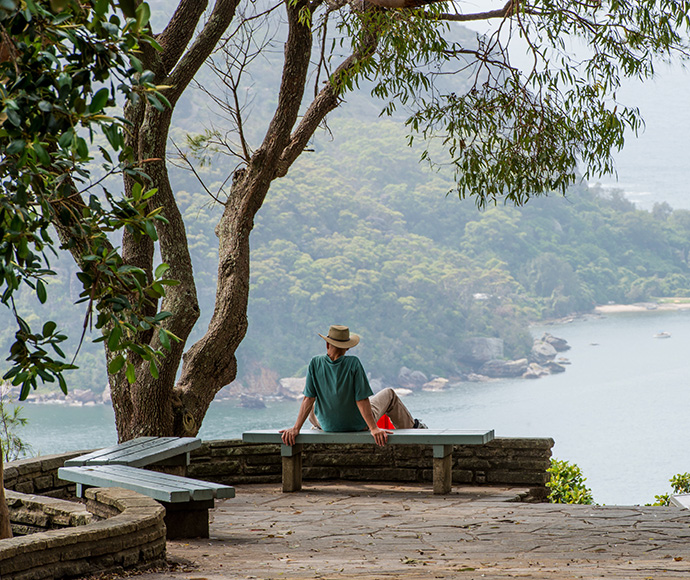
(360, 233)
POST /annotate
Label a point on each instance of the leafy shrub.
(11, 445)
(567, 484)
(680, 484)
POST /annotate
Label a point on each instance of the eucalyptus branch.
(506, 12)
(191, 167)
(322, 54)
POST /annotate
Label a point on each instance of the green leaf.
(16, 147)
(143, 15)
(48, 328)
(41, 291)
(153, 368)
(13, 117)
(42, 154)
(130, 374)
(99, 101)
(165, 340)
(114, 338)
(116, 364)
(63, 384)
(160, 270)
(26, 389)
(150, 230)
(101, 7)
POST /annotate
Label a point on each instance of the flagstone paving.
(372, 531)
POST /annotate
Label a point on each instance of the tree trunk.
(151, 406)
(159, 406)
(5, 526)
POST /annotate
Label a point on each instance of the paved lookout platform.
(384, 531)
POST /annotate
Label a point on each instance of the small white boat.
(662, 334)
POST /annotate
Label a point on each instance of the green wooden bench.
(160, 486)
(186, 500)
(141, 452)
(441, 440)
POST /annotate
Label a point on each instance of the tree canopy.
(503, 132)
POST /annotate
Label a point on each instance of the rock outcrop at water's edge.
(480, 360)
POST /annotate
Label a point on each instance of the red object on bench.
(385, 423)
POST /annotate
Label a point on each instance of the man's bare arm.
(290, 435)
(379, 435)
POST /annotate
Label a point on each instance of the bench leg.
(443, 468)
(187, 520)
(292, 467)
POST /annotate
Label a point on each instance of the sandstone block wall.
(31, 514)
(39, 475)
(504, 461)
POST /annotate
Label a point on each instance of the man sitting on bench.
(337, 395)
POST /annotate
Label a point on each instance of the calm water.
(620, 411)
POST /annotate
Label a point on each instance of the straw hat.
(340, 336)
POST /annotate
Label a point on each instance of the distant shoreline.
(641, 307)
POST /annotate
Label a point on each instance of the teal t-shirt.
(337, 386)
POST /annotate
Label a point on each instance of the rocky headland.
(481, 360)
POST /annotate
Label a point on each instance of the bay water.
(620, 411)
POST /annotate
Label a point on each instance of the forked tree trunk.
(161, 406)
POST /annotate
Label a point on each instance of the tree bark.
(5, 525)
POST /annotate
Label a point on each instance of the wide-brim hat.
(341, 337)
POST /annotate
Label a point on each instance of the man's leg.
(387, 402)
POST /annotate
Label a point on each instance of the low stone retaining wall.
(39, 475)
(503, 461)
(132, 536)
(31, 514)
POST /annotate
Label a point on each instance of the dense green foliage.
(63, 65)
(680, 483)
(567, 484)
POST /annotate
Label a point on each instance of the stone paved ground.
(365, 531)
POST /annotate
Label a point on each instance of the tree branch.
(325, 102)
(189, 64)
(179, 31)
(510, 9)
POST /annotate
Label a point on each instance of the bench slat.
(160, 486)
(138, 452)
(99, 453)
(396, 436)
(93, 476)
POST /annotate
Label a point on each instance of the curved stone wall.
(116, 529)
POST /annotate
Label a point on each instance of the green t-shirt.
(337, 386)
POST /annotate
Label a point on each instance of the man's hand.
(379, 435)
(289, 436)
